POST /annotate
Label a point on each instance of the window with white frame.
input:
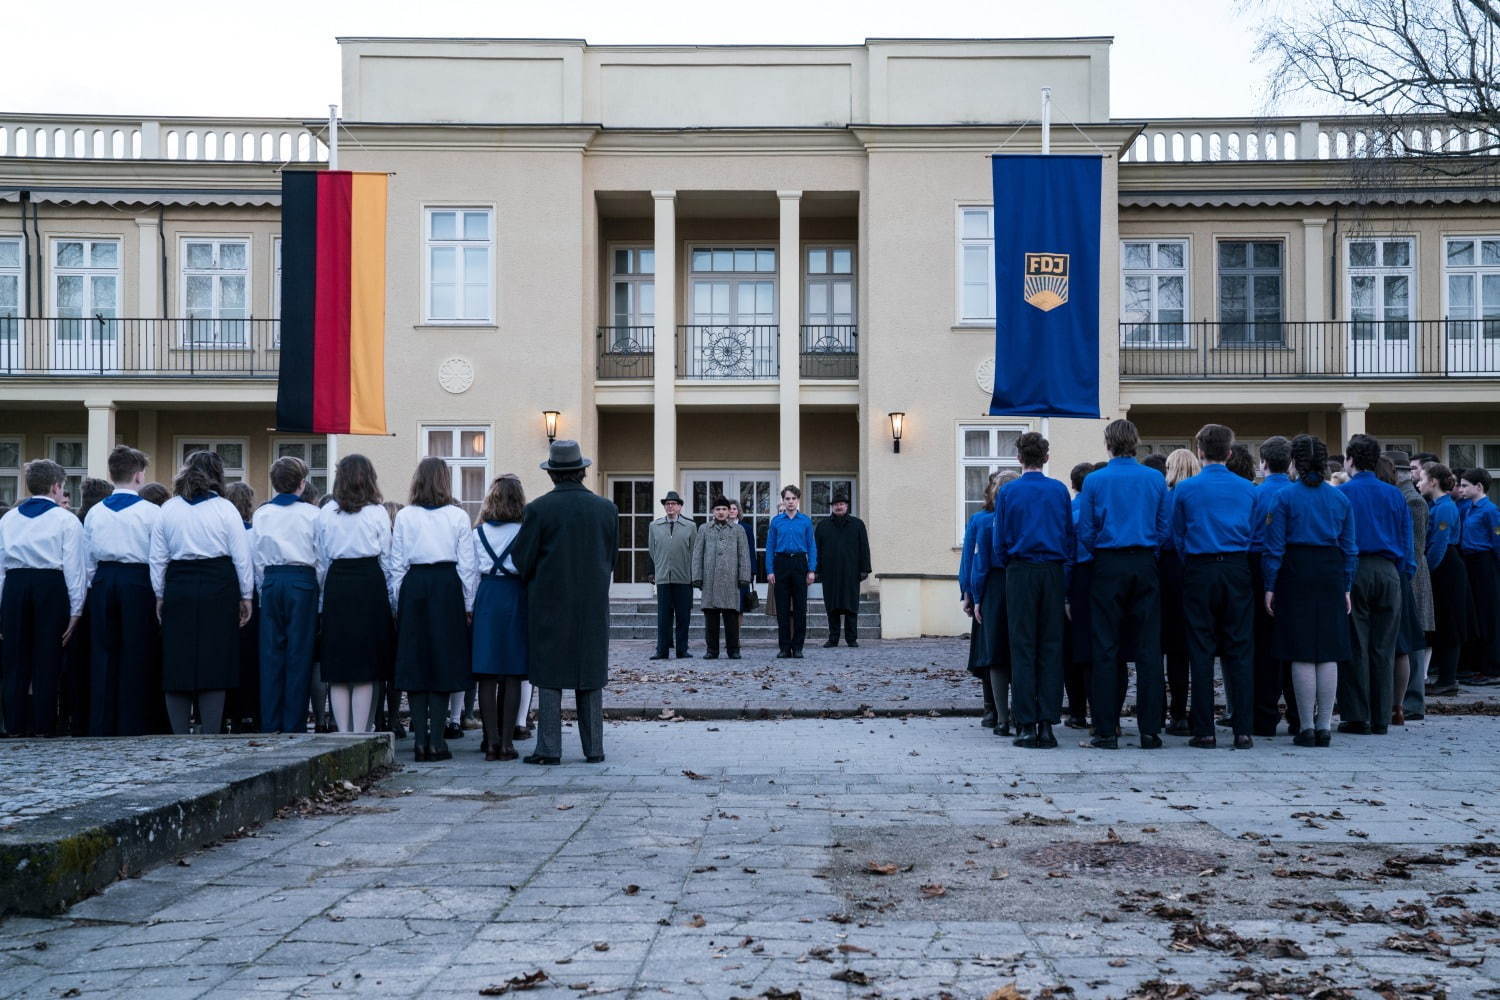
(820, 491)
(85, 298)
(10, 292)
(72, 454)
(976, 265)
(1476, 453)
(1380, 275)
(828, 292)
(466, 452)
(733, 286)
(459, 242)
(313, 451)
(1160, 446)
(632, 293)
(982, 449)
(215, 291)
(231, 452)
(1153, 293)
(1472, 268)
(10, 470)
(1250, 292)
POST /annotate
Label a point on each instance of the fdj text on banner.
(1047, 220)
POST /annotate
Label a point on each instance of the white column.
(1314, 294)
(1351, 422)
(101, 435)
(664, 390)
(789, 342)
(139, 347)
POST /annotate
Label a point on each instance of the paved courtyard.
(833, 858)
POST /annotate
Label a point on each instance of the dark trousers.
(1365, 688)
(288, 637)
(590, 706)
(1126, 591)
(1272, 677)
(851, 626)
(74, 699)
(1220, 619)
(122, 644)
(731, 620)
(674, 610)
(429, 713)
(1034, 596)
(791, 600)
(33, 616)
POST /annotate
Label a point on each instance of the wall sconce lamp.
(898, 423)
(550, 416)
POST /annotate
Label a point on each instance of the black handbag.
(749, 601)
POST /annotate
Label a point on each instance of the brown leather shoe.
(1398, 717)
(507, 755)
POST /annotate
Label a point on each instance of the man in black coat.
(843, 564)
(566, 554)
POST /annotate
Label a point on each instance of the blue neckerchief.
(119, 501)
(494, 524)
(36, 506)
(197, 500)
(285, 499)
(432, 506)
(248, 525)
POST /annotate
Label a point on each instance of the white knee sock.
(361, 700)
(1328, 687)
(525, 708)
(338, 694)
(1305, 683)
(456, 707)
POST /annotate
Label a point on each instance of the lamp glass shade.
(898, 421)
(550, 416)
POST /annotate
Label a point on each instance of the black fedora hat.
(565, 456)
(671, 497)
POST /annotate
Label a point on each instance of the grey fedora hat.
(565, 456)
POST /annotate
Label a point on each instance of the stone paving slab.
(77, 814)
(1090, 870)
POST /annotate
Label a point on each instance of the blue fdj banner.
(1046, 286)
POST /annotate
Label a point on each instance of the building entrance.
(752, 489)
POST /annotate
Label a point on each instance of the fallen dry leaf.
(932, 890)
(1006, 992)
(694, 776)
(632, 889)
(515, 984)
(878, 868)
(697, 920)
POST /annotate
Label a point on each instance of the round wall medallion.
(985, 376)
(456, 375)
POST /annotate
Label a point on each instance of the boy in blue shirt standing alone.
(791, 564)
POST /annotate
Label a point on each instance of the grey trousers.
(549, 722)
(1365, 688)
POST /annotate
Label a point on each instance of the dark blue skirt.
(500, 627)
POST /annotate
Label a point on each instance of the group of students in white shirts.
(170, 589)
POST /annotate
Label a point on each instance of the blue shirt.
(1309, 515)
(1481, 530)
(966, 557)
(1442, 530)
(983, 561)
(1382, 521)
(1124, 506)
(1211, 512)
(1079, 555)
(791, 534)
(1033, 521)
(1265, 493)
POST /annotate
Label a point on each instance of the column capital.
(1314, 223)
(789, 195)
(664, 195)
(146, 221)
(98, 404)
(1353, 407)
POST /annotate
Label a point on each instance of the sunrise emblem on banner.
(332, 378)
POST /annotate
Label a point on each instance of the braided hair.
(1309, 457)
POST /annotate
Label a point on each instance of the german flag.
(332, 303)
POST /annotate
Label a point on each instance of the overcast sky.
(279, 58)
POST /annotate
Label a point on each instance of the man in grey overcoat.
(565, 552)
(721, 570)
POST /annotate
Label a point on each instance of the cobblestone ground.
(834, 858)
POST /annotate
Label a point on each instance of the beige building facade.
(724, 268)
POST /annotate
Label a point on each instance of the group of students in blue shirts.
(1317, 596)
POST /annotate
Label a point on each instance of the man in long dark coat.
(566, 553)
(843, 563)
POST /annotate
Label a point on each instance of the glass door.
(1473, 310)
(752, 490)
(86, 296)
(1382, 337)
(637, 510)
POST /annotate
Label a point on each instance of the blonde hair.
(1182, 464)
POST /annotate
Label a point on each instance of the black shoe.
(708, 656)
(453, 731)
(684, 656)
(1324, 737)
(852, 643)
(1104, 743)
(440, 755)
(1150, 741)
(419, 754)
(597, 758)
(1178, 727)
(1379, 730)
(1244, 741)
(1204, 742)
(1076, 722)
(830, 643)
(520, 733)
(1027, 738)
(796, 654)
(1415, 716)
(398, 731)
(1227, 722)
(784, 655)
(734, 656)
(1484, 680)
(1045, 740)
(657, 656)
(1445, 691)
(1003, 729)
(988, 720)
(1355, 728)
(1306, 738)
(537, 758)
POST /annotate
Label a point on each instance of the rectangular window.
(1153, 293)
(1250, 292)
(828, 286)
(466, 450)
(72, 454)
(976, 265)
(215, 292)
(632, 291)
(733, 286)
(822, 489)
(459, 242)
(1160, 446)
(1381, 275)
(982, 450)
(86, 300)
(10, 470)
(313, 451)
(1476, 453)
(1472, 272)
(637, 503)
(232, 452)
(10, 295)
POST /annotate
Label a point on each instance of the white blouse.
(426, 536)
(499, 536)
(119, 535)
(365, 533)
(205, 530)
(52, 539)
(284, 535)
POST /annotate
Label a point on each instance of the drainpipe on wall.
(161, 239)
(24, 197)
(1333, 269)
(41, 256)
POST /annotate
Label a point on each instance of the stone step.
(819, 630)
(645, 618)
(814, 606)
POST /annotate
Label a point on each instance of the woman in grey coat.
(721, 569)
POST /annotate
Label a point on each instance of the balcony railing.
(1206, 140)
(727, 351)
(114, 347)
(830, 351)
(113, 137)
(627, 352)
(1311, 350)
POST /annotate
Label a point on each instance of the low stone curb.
(51, 862)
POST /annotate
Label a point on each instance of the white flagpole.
(332, 440)
(1046, 151)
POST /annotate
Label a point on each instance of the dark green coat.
(566, 553)
(843, 560)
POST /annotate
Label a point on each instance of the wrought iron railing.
(727, 351)
(1310, 350)
(830, 351)
(627, 352)
(123, 347)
